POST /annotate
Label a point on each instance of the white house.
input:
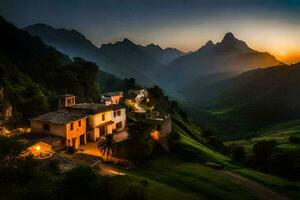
(111, 98)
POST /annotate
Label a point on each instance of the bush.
(216, 144)
(136, 192)
(206, 132)
(82, 183)
(238, 153)
(294, 139)
(262, 151)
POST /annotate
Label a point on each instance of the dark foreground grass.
(288, 188)
(171, 178)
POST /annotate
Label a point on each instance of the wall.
(55, 129)
(96, 120)
(121, 118)
(62, 130)
(76, 132)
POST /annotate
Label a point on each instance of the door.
(103, 130)
(81, 139)
(74, 143)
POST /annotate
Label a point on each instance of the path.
(262, 192)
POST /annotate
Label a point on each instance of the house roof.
(116, 93)
(67, 95)
(60, 117)
(93, 108)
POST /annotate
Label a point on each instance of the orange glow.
(38, 148)
(155, 135)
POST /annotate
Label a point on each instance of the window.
(103, 117)
(118, 125)
(79, 123)
(72, 126)
(115, 114)
(119, 113)
(46, 127)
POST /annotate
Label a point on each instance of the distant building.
(64, 123)
(111, 98)
(137, 95)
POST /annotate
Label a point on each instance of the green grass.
(291, 189)
(280, 133)
(190, 139)
(172, 178)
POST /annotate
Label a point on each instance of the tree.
(238, 153)
(139, 145)
(262, 151)
(82, 183)
(156, 92)
(207, 132)
(107, 145)
(129, 84)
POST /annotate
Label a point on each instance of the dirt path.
(262, 192)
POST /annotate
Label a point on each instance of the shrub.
(238, 153)
(294, 139)
(136, 192)
(206, 132)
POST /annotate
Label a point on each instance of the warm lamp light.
(155, 135)
(38, 148)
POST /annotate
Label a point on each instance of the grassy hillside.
(170, 178)
(250, 101)
(280, 133)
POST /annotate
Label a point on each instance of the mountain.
(123, 58)
(253, 100)
(32, 74)
(163, 56)
(127, 59)
(229, 55)
(70, 42)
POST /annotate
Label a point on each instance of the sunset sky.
(266, 25)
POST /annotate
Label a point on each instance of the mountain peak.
(153, 46)
(209, 43)
(127, 41)
(229, 37)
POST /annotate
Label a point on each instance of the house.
(111, 98)
(79, 123)
(137, 95)
(102, 119)
(66, 100)
(64, 123)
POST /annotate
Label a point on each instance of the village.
(88, 133)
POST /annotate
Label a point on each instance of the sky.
(266, 25)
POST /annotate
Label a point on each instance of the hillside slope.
(33, 74)
(253, 100)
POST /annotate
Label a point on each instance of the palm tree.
(106, 145)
